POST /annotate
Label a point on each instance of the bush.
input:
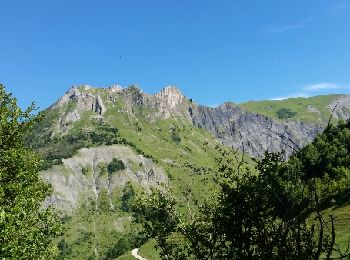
(175, 136)
(285, 113)
(115, 165)
(128, 197)
(124, 244)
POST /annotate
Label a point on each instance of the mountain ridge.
(164, 140)
(247, 126)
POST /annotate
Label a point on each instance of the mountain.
(102, 146)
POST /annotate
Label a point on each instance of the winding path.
(135, 253)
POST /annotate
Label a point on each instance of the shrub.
(285, 113)
(115, 165)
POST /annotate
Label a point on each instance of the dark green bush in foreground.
(273, 212)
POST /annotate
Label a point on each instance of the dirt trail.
(135, 253)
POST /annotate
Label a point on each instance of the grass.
(189, 162)
(342, 225)
(302, 106)
(148, 250)
(193, 163)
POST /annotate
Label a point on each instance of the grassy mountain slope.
(78, 144)
(157, 136)
(312, 110)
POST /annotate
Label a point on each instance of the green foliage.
(157, 214)
(327, 159)
(115, 165)
(328, 152)
(127, 197)
(175, 136)
(125, 244)
(53, 150)
(285, 113)
(26, 229)
(312, 110)
(64, 249)
(271, 213)
(87, 170)
(104, 204)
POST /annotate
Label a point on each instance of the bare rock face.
(230, 124)
(341, 107)
(83, 100)
(169, 97)
(115, 89)
(71, 117)
(168, 100)
(82, 176)
(98, 106)
(252, 133)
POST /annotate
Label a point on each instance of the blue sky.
(214, 51)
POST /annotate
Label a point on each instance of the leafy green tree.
(158, 216)
(27, 228)
(285, 113)
(271, 212)
(329, 151)
(127, 197)
(115, 165)
(327, 160)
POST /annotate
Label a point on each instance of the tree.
(272, 212)
(27, 228)
(285, 113)
(127, 197)
(115, 165)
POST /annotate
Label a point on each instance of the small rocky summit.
(341, 107)
(98, 106)
(170, 101)
(231, 124)
(85, 100)
(170, 97)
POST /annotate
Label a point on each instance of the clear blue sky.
(213, 50)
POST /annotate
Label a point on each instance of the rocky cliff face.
(230, 124)
(250, 132)
(157, 137)
(168, 101)
(85, 176)
(341, 107)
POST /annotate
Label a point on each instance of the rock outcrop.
(82, 176)
(169, 102)
(250, 132)
(230, 124)
(341, 107)
(98, 106)
(169, 97)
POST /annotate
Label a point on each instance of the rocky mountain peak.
(115, 88)
(170, 96)
(340, 107)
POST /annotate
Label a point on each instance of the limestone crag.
(84, 176)
(169, 101)
(251, 132)
(115, 88)
(83, 100)
(230, 124)
(341, 107)
(170, 96)
(98, 106)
